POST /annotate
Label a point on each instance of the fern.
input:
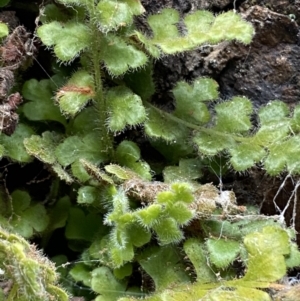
(144, 221)
(33, 276)
(107, 36)
(230, 129)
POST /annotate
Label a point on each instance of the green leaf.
(235, 294)
(295, 123)
(120, 172)
(234, 116)
(198, 24)
(52, 12)
(270, 240)
(121, 255)
(74, 148)
(188, 169)
(138, 236)
(163, 25)
(189, 99)
(79, 171)
(272, 132)
(97, 196)
(149, 215)
(27, 217)
(58, 293)
(37, 216)
(68, 39)
(284, 154)
(79, 126)
(180, 213)
(113, 14)
(103, 282)
(273, 111)
(202, 27)
(245, 155)
(3, 28)
(237, 230)
(293, 259)
(175, 150)
(123, 271)
(141, 81)
(59, 213)
(76, 93)
(13, 147)
(41, 105)
(163, 264)
(135, 6)
(42, 147)
(120, 208)
(137, 38)
(191, 167)
(167, 231)
(128, 154)
(180, 192)
(212, 142)
(20, 200)
(101, 243)
(195, 250)
(160, 125)
(222, 252)
(230, 26)
(119, 57)
(125, 108)
(142, 169)
(121, 249)
(82, 226)
(80, 272)
(87, 195)
(33, 272)
(266, 249)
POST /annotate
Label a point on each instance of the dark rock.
(265, 70)
(268, 69)
(286, 7)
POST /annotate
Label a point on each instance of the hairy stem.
(194, 126)
(100, 101)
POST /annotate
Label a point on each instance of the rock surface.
(268, 69)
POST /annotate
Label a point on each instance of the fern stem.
(194, 126)
(100, 101)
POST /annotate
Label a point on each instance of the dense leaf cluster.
(120, 220)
